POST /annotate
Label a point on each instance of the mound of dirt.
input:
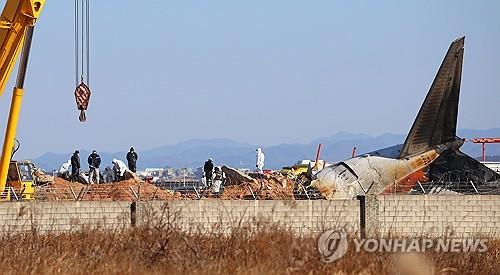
(61, 182)
(265, 187)
(260, 186)
(126, 190)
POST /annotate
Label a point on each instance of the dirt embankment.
(255, 186)
(265, 187)
(124, 191)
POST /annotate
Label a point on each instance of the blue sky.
(262, 72)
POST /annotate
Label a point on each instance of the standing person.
(132, 160)
(219, 180)
(75, 166)
(94, 161)
(208, 168)
(260, 160)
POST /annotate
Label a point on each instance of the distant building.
(156, 172)
(169, 172)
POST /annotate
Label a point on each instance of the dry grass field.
(162, 249)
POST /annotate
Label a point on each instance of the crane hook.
(82, 96)
(82, 116)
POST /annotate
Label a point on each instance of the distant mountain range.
(193, 153)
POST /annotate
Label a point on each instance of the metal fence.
(159, 191)
(194, 189)
(183, 186)
(462, 188)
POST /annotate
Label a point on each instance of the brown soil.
(119, 191)
(265, 187)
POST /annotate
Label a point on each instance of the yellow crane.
(16, 32)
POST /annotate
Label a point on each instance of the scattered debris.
(261, 186)
(41, 178)
(235, 177)
(304, 168)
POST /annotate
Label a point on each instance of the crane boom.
(16, 29)
(16, 16)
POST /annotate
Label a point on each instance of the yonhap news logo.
(333, 245)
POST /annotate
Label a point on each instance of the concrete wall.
(431, 215)
(222, 216)
(62, 216)
(427, 215)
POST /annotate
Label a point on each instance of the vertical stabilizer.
(436, 121)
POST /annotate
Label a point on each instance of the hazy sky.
(262, 72)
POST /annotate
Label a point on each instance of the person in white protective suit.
(64, 171)
(260, 160)
(119, 168)
(219, 177)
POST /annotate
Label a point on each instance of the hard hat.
(210, 159)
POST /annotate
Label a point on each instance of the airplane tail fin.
(436, 121)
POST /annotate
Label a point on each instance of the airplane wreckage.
(429, 161)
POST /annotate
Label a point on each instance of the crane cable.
(82, 42)
(16, 147)
(88, 43)
(76, 42)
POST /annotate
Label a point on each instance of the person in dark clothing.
(75, 166)
(132, 160)
(94, 161)
(208, 168)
